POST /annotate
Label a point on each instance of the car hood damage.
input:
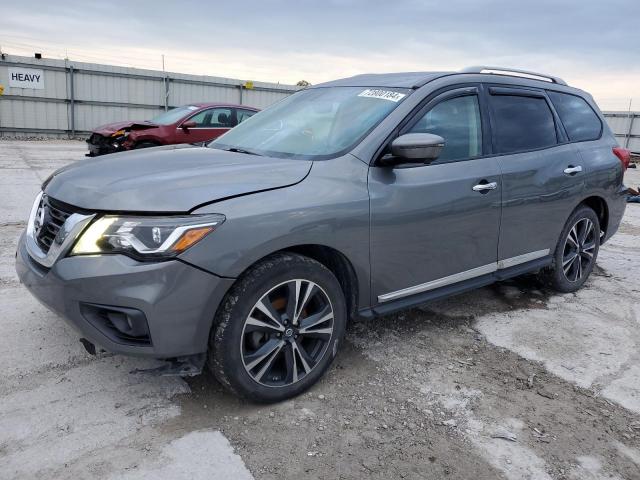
(110, 128)
(171, 179)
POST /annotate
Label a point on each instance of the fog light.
(120, 324)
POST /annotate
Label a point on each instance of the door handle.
(483, 187)
(570, 170)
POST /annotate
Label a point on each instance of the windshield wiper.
(241, 150)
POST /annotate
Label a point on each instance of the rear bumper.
(617, 206)
(177, 300)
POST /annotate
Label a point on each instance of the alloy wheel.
(287, 333)
(579, 249)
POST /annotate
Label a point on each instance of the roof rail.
(514, 73)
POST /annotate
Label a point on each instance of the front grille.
(49, 219)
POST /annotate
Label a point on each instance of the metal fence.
(72, 98)
(626, 127)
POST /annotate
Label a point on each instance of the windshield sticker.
(382, 94)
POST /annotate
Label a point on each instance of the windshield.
(172, 116)
(313, 124)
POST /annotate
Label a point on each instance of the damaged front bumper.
(100, 145)
(159, 310)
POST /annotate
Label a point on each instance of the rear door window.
(522, 123)
(580, 121)
(244, 114)
(213, 118)
(221, 118)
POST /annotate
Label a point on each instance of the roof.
(218, 104)
(418, 79)
(397, 80)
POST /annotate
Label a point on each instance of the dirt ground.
(510, 381)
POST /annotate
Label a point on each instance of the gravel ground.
(509, 381)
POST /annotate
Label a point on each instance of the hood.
(109, 128)
(170, 179)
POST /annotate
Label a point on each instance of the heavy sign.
(26, 78)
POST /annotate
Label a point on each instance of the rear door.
(542, 174)
(435, 225)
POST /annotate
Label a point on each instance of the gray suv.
(353, 198)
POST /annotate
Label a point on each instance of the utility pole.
(166, 86)
(631, 117)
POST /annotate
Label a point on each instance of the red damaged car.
(197, 122)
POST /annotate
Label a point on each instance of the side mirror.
(415, 147)
(188, 124)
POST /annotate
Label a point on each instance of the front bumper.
(178, 300)
(100, 145)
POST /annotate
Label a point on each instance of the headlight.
(145, 237)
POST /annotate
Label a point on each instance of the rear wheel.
(576, 252)
(278, 329)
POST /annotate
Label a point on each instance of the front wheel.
(278, 329)
(576, 252)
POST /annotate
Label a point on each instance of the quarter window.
(578, 118)
(457, 120)
(522, 123)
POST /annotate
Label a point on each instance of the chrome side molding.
(524, 258)
(466, 275)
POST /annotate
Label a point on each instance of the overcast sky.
(594, 45)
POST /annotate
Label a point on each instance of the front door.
(438, 224)
(210, 124)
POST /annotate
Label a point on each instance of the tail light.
(623, 155)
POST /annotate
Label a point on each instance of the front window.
(172, 116)
(313, 124)
(457, 120)
(213, 118)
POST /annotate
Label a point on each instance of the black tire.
(146, 145)
(567, 275)
(236, 342)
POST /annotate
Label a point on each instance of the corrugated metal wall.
(79, 96)
(626, 127)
